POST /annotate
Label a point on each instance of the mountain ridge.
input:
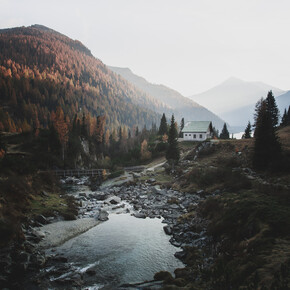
(177, 104)
(41, 69)
(233, 93)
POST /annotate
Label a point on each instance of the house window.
(189, 134)
(200, 136)
(185, 135)
(194, 136)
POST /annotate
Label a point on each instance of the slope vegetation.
(41, 69)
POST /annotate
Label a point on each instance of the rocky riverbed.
(42, 270)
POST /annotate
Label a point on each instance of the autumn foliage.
(41, 70)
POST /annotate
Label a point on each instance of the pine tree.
(267, 149)
(272, 109)
(248, 131)
(163, 126)
(225, 133)
(181, 127)
(284, 120)
(172, 153)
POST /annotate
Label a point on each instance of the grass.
(251, 229)
(53, 204)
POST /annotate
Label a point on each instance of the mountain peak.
(233, 80)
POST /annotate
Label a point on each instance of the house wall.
(195, 136)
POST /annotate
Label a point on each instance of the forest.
(41, 70)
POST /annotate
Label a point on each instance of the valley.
(164, 213)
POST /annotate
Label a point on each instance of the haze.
(187, 45)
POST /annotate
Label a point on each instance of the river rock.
(41, 219)
(167, 230)
(91, 272)
(156, 189)
(103, 215)
(136, 175)
(139, 215)
(113, 200)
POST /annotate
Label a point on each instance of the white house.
(197, 131)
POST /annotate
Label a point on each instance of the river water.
(123, 249)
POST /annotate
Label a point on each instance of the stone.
(91, 272)
(103, 216)
(113, 200)
(139, 215)
(41, 219)
(136, 175)
(156, 189)
(167, 230)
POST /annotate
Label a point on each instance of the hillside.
(41, 69)
(175, 103)
(234, 94)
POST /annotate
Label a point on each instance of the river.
(124, 249)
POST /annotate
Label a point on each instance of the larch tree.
(61, 128)
(172, 153)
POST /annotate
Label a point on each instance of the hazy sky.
(188, 45)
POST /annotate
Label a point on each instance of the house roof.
(196, 126)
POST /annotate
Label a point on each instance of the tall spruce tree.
(272, 109)
(248, 131)
(181, 127)
(267, 149)
(172, 153)
(225, 133)
(163, 126)
(284, 120)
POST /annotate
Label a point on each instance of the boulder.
(113, 200)
(103, 216)
(167, 230)
(136, 175)
(41, 219)
(91, 272)
(139, 215)
(156, 189)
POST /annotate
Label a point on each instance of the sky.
(187, 45)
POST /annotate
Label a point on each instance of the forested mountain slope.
(176, 104)
(41, 69)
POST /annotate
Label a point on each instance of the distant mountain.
(233, 94)
(173, 101)
(242, 115)
(42, 69)
(283, 101)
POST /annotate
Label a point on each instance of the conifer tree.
(137, 131)
(267, 149)
(172, 153)
(284, 120)
(248, 131)
(225, 133)
(163, 126)
(181, 127)
(272, 109)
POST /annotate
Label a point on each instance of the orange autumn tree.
(61, 126)
(145, 153)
